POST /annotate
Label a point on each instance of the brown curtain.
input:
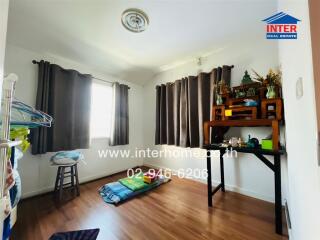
(163, 115)
(169, 113)
(158, 115)
(176, 112)
(204, 96)
(120, 115)
(184, 105)
(184, 116)
(39, 136)
(65, 95)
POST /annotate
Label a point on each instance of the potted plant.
(271, 82)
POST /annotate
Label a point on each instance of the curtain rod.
(100, 79)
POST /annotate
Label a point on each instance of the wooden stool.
(276, 112)
(61, 175)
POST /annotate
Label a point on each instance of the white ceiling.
(90, 31)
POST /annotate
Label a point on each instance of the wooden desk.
(259, 153)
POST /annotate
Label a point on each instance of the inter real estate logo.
(281, 26)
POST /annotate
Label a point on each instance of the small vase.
(219, 100)
(271, 93)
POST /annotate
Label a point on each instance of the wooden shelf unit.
(219, 119)
(276, 112)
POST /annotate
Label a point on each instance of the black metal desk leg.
(209, 180)
(222, 171)
(277, 183)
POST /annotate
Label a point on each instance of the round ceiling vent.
(135, 20)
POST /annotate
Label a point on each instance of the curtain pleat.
(169, 113)
(193, 112)
(182, 108)
(204, 104)
(120, 115)
(158, 101)
(163, 115)
(184, 118)
(39, 136)
(218, 74)
(176, 111)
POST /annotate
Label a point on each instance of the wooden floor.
(176, 210)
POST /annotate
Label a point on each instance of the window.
(101, 103)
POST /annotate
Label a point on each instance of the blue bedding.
(115, 192)
(15, 191)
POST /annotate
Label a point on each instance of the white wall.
(36, 173)
(303, 172)
(246, 174)
(4, 5)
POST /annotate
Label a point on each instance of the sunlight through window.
(101, 103)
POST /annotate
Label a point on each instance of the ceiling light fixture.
(135, 20)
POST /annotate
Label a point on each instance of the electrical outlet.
(299, 88)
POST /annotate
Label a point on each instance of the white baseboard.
(228, 187)
(38, 192)
(50, 188)
(202, 180)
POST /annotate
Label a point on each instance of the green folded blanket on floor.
(135, 183)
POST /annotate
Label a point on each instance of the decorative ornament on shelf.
(246, 78)
(271, 93)
(259, 78)
(233, 142)
(272, 78)
(219, 100)
(241, 143)
(251, 92)
(252, 142)
(223, 88)
(271, 82)
(240, 93)
(221, 91)
(250, 103)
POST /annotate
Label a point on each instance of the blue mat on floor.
(89, 234)
(115, 192)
